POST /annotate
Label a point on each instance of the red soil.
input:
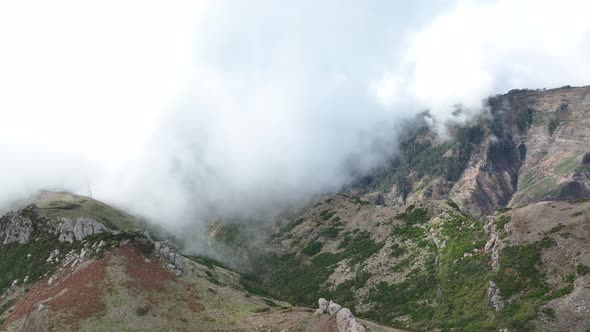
(80, 296)
(192, 300)
(145, 275)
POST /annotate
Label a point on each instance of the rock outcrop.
(76, 229)
(169, 252)
(494, 297)
(17, 227)
(345, 320)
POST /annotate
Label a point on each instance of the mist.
(231, 109)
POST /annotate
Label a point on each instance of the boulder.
(167, 251)
(76, 229)
(333, 308)
(346, 322)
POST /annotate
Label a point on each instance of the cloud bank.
(192, 111)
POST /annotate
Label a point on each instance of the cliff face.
(532, 145)
(535, 151)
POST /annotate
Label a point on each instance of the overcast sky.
(180, 108)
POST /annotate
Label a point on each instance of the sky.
(190, 110)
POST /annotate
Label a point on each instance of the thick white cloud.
(480, 48)
(188, 110)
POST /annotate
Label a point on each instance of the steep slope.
(484, 231)
(532, 146)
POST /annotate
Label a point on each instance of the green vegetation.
(411, 229)
(582, 269)
(404, 264)
(359, 247)
(327, 214)
(208, 262)
(331, 232)
(397, 250)
(287, 228)
(312, 248)
(345, 292)
(502, 221)
(549, 312)
(303, 283)
(18, 261)
(453, 205)
(567, 166)
(5, 307)
(552, 125)
(15, 264)
(450, 295)
(523, 275)
(535, 186)
(252, 285)
(555, 229)
(73, 206)
(414, 216)
(520, 270)
(142, 311)
(424, 158)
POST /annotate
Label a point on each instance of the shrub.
(142, 311)
(555, 229)
(582, 269)
(312, 248)
(552, 125)
(502, 221)
(414, 215)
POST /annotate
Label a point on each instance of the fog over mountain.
(190, 110)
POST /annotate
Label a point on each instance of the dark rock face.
(572, 190)
(21, 226)
(533, 144)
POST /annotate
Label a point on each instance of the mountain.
(486, 230)
(71, 263)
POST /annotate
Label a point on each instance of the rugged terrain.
(486, 230)
(71, 263)
(483, 231)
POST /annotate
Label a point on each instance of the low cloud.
(228, 109)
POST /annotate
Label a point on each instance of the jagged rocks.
(169, 252)
(21, 227)
(53, 257)
(16, 227)
(323, 305)
(333, 308)
(345, 320)
(494, 297)
(77, 229)
(491, 242)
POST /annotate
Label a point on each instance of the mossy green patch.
(73, 206)
(312, 248)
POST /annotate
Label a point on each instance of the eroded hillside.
(70, 263)
(486, 230)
